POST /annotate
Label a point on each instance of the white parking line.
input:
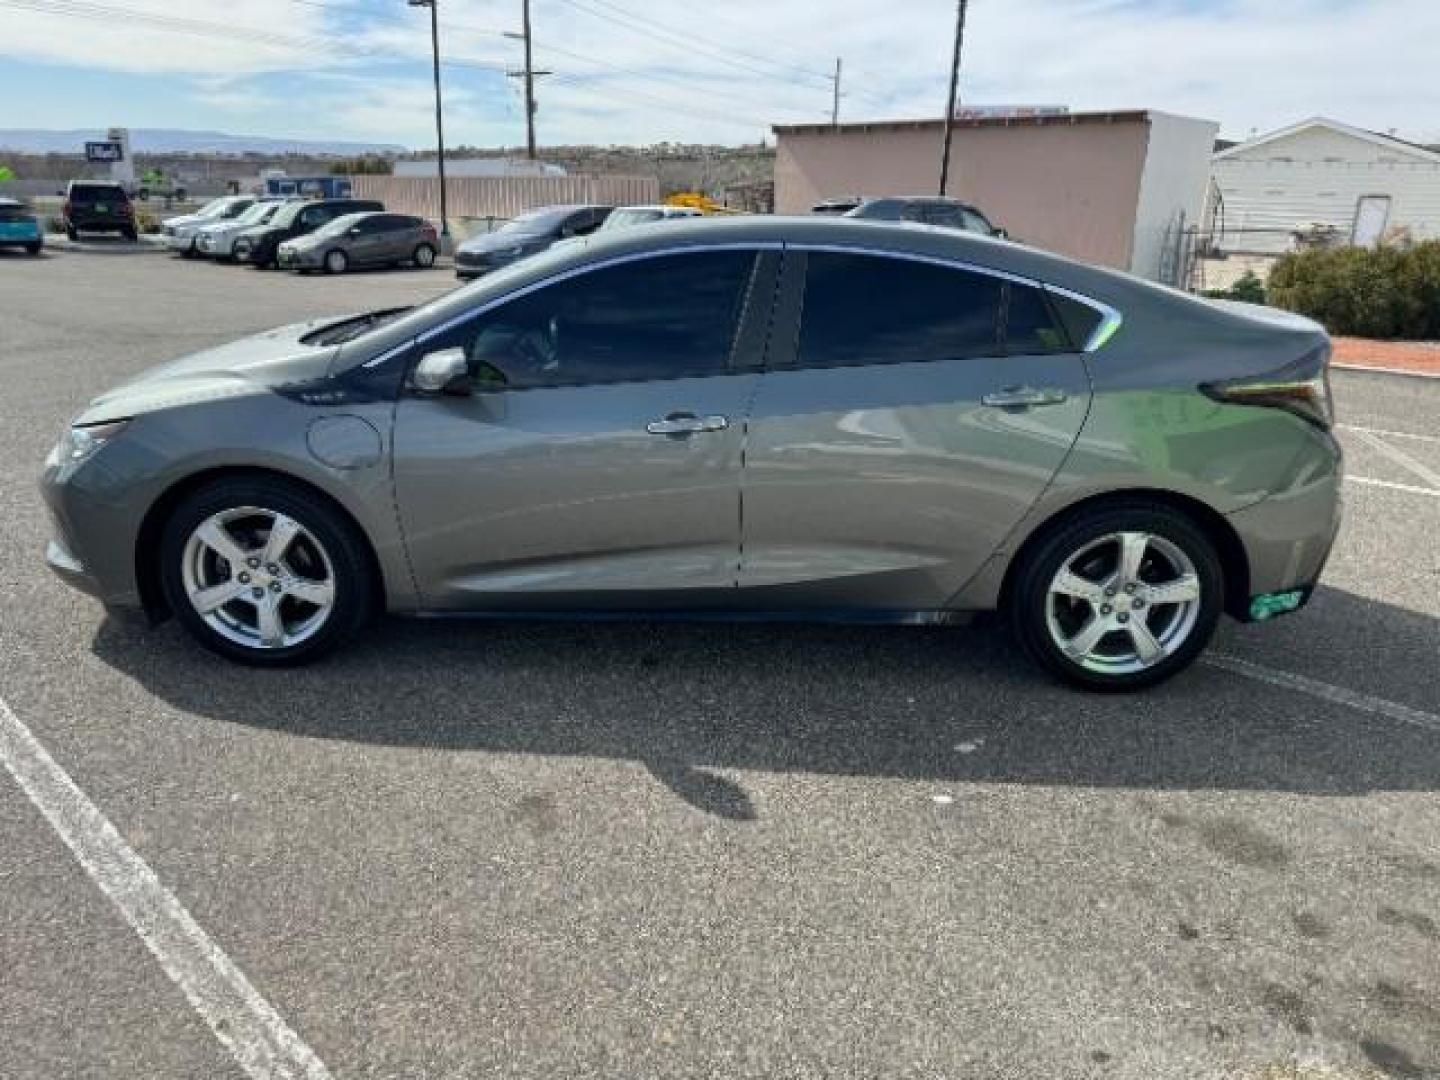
(1401, 458)
(1286, 680)
(249, 1027)
(1388, 433)
(1411, 488)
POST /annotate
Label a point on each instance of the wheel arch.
(147, 539)
(1234, 559)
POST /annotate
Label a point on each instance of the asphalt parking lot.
(469, 850)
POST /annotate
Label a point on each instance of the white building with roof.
(1364, 185)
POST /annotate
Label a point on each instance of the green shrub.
(1246, 287)
(1378, 293)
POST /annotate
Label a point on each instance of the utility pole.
(529, 75)
(835, 108)
(439, 117)
(953, 99)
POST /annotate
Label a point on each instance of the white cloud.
(1250, 65)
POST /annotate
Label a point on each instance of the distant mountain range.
(173, 140)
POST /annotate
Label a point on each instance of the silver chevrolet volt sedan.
(745, 418)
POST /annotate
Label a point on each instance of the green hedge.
(1376, 293)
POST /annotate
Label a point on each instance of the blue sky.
(645, 70)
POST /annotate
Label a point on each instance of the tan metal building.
(1112, 188)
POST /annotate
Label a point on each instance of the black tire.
(1028, 598)
(336, 262)
(33, 249)
(424, 256)
(353, 573)
(72, 233)
(130, 234)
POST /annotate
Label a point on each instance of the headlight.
(81, 443)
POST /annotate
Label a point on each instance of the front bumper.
(302, 259)
(180, 241)
(219, 245)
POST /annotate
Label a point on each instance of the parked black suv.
(94, 206)
(260, 244)
(929, 210)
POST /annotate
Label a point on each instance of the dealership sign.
(104, 151)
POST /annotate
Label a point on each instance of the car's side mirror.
(1000, 234)
(442, 372)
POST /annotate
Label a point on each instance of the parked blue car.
(19, 227)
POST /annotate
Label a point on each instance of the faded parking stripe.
(248, 1026)
(1286, 680)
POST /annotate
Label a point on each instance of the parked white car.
(217, 240)
(627, 217)
(179, 232)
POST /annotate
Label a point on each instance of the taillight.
(1301, 387)
(66, 210)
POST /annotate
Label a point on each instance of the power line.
(687, 42)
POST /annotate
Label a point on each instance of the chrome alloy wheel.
(258, 577)
(1123, 602)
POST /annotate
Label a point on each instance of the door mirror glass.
(442, 372)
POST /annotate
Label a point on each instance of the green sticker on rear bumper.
(1272, 604)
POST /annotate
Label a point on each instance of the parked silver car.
(372, 238)
(745, 417)
(180, 232)
(216, 239)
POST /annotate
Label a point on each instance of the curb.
(56, 242)
(1386, 371)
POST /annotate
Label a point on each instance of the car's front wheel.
(1119, 597)
(336, 262)
(261, 571)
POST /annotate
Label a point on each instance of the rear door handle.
(1023, 397)
(687, 424)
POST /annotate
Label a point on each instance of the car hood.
(501, 241)
(274, 360)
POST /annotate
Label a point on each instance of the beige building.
(1111, 188)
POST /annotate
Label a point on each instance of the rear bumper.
(1288, 537)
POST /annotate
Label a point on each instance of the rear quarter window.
(1079, 320)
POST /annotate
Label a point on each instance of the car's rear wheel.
(336, 262)
(130, 234)
(72, 233)
(261, 571)
(424, 256)
(1119, 597)
(33, 249)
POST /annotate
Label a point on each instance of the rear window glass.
(97, 193)
(13, 211)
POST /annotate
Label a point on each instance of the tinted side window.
(1080, 320)
(313, 217)
(1029, 326)
(668, 317)
(869, 309)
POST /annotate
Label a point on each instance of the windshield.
(215, 207)
(288, 212)
(536, 221)
(634, 215)
(340, 224)
(261, 211)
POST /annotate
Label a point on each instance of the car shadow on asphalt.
(693, 700)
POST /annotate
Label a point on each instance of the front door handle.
(1023, 397)
(687, 424)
